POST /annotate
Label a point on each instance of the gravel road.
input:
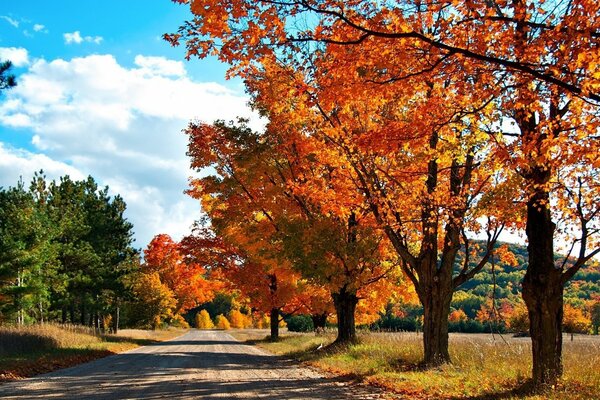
(197, 365)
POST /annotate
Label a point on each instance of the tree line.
(65, 247)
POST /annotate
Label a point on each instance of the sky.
(100, 93)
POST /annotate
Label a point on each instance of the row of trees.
(65, 248)
(397, 131)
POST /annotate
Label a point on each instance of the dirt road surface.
(197, 365)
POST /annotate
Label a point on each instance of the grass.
(30, 350)
(484, 367)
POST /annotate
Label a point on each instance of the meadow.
(483, 366)
(31, 350)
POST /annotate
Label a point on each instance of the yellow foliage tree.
(158, 300)
(203, 320)
(223, 322)
(239, 320)
(575, 321)
(261, 321)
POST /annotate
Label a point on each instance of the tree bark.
(115, 326)
(436, 308)
(543, 292)
(274, 324)
(345, 306)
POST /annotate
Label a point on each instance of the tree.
(64, 245)
(595, 316)
(185, 279)
(94, 250)
(157, 301)
(6, 80)
(278, 233)
(457, 316)
(540, 60)
(26, 258)
(203, 320)
(574, 320)
(222, 322)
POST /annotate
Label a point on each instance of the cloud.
(75, 37)
(17, 55)
(39, 28)
(10, 20)
(123, 126)
(18, 164)
(160, 66)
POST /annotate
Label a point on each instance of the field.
(31, 350)
(484, 366)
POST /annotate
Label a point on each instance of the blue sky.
(100, 93)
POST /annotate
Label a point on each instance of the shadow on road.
(208, 368)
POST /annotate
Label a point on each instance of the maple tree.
(185, 279)
(536, 61)
(575, 321)
(251, 202)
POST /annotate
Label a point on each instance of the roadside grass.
(31, 350)
(484, 367)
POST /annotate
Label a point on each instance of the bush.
(222, 322)
(391, 322)
(203, 320)
(239, 320)
(179, 322)
(300, 323)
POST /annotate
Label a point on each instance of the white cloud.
(75, 37)
(160, 66)
(39, 28)
(17, 55)
(122, 126)
(16, 164)
(10, 20)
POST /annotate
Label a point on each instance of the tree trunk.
(274, 324)
(82, 319)
(64, 315)
(115, 326)
(436, 308)
(543, 293)
(345, 306)
(72, 312)
(319, 321)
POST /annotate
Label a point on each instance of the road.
(197, 365)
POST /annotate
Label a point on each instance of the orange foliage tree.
(186, 280)
(252, 202)
(537, 62)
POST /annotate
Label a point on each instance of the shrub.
(239, 320)
(300, 323)
(179, 322)
(222, 322)
(203, 320)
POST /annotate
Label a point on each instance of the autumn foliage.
(396, 133)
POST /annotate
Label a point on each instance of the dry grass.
(31, 350)
(484, 367)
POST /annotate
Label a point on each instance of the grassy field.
(31, 350)
(484, 367)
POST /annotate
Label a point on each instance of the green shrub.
(300, 323)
